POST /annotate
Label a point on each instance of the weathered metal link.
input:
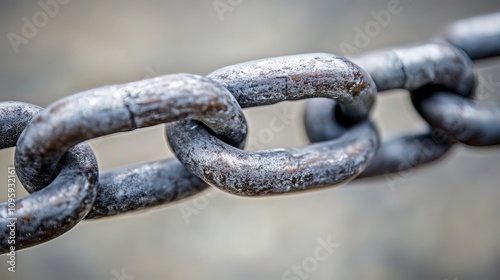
(413, 67)
(273, 171)
(393, 156)
(142, 187)
(479, 36)
(270, 81)
(405, 153)
(459, 119)
(403, 68)
(121, 108)
(14, 117)
(54, 210)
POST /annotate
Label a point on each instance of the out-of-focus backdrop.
(440, 222)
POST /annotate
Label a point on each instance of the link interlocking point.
(461, 119)
(112, 109)
(60, 206)
(407, 68)
(273, 80)
(62, 174)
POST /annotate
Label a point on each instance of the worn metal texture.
(461, 119)
(407, 68)
(269, 81)
(457, 118)
(413, 67)
(395, 155)
(112, 109)
(405, 153)
(479, 36)
(143, 186)
(14, 117)
(58, 207)
(275, 171)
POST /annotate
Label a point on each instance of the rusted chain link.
(207, 130)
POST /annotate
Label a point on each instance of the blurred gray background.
(440, 222)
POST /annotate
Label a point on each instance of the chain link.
(121, 108)
(59, 206)
(273, 80)
(407, 68)
(207, 129)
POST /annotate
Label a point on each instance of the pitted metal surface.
(269, 81)
(113, 109)
(415, 66)
(273, 171)
(143, 186)
(407, 68)
(58, 207)
(395, 155)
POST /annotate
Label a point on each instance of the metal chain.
(407, 68)
(207, 130)
(270, 81)
(121, 108)
(55, 209)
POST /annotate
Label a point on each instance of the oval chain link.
(120, 108)
(270, 81)
(58, 207)
(456, 118)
